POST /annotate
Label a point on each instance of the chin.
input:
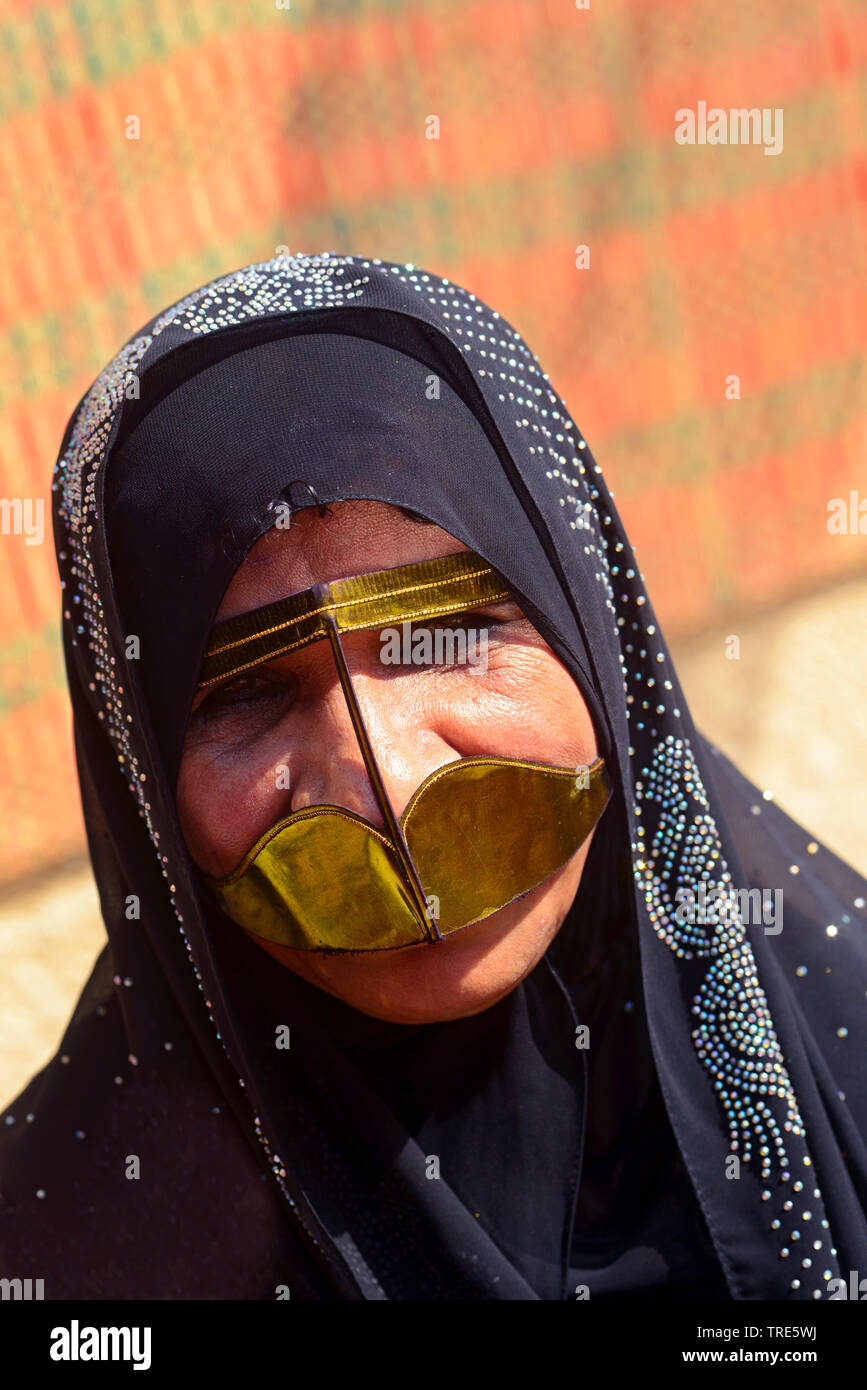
(467, 972)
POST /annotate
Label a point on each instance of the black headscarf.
(310, 1168)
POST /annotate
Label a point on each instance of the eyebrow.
(430, 588)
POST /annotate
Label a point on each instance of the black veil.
(306, 1169)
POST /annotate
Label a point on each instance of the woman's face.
(290, 716)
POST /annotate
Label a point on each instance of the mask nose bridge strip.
(398, 839)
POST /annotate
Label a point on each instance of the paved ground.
(789, 711)
(49, 939)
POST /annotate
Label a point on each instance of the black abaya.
(311, 1168)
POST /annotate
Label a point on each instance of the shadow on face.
(279, 737)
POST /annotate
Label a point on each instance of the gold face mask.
(476, 835)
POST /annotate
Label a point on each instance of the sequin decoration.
(675, 838)
(277, 286)
(734, 1036)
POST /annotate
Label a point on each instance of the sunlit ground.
(789, 711)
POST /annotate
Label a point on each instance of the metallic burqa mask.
(475, 836)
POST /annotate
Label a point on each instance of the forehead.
(356, 538)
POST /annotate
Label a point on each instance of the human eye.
(248, 691)
(468, 622)
(492, 617)
(449, 639)
(454, 621)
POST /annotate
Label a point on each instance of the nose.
(333, 771)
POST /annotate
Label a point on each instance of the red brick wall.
(306, 127)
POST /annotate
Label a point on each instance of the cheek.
(194, 810)
(222, 800)
(525, 706)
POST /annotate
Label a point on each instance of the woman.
(426, 978)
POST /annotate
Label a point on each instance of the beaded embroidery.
(734, 1034)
